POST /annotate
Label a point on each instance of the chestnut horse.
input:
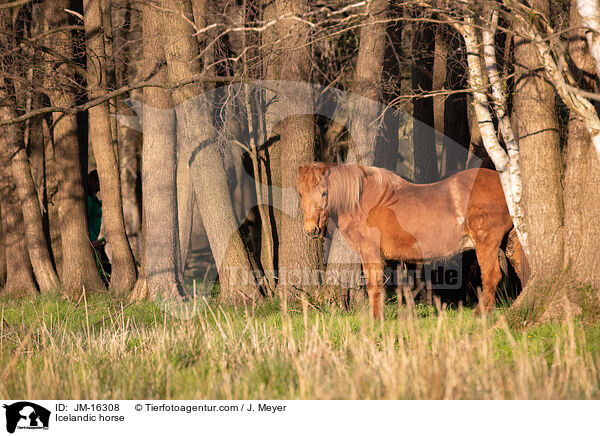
(383, 216)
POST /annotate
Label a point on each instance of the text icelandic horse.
(384, 217)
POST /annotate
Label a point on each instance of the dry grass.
(51, 349)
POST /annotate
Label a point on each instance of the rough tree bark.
(272, 168)
(425, 156)
(573, 288)
(457, 136)
(562, 239)
(78, 264)
(162, 261)
(20, 171)
(19, 275)
(18, 161)
(123, 274)
(128, 42)
(201, 156)
(299, 256)
(2, 255)
(536, 125)
(343, 264)
(582, 172)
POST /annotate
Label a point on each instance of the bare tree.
(201, 156)
(537, 129)
(582, 173)
(78, 264)
(162, 257)
(128, 43)
(567, 285)
(21, 173)
(2, 255)
(425, 156)
(123, 274)
(19, 275)
(365, 108)
(298, 254)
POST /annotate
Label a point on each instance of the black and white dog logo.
(26, 415)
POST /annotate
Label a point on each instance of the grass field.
(102, 349)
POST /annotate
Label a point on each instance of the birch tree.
(589, 11)
(508, 171)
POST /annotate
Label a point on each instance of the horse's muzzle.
(315, 234)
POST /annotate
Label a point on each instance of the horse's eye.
(323, 194)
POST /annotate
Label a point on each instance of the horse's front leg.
(373, 270)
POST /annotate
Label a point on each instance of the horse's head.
(312, 187)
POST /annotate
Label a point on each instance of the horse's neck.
(382, 178)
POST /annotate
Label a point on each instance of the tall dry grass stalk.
(299, 353)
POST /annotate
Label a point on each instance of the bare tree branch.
(14, 4)
(118, 92)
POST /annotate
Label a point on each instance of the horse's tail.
(517, 257)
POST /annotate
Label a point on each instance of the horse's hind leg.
(487, 257)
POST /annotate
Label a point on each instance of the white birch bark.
(505, 125)
(589, 10)
(486, 126)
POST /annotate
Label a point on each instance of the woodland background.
(512, 83)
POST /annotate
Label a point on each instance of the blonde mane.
(345, 183)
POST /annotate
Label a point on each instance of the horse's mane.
(345, 183)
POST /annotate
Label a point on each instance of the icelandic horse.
(384, 217)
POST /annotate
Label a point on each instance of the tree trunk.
(2, 255)
(32, 217)
(344, 264)
(271, 170)
(582, 174)
(438, 79)
(123, 274)
(536, 125)
(128, 42)
(19, 275)
(299, 256)
(201, 156)
(16, 153)
(162, 262)
(425, 156)
(78, 263)
(51, 174)
(130, 145)
(456, 120)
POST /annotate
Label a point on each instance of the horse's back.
(418, 222)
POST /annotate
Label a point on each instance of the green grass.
(101, 348)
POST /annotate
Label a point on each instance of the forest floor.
(102, 348)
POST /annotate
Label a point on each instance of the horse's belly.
(413, 247)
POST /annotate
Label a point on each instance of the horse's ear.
(302, 169)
